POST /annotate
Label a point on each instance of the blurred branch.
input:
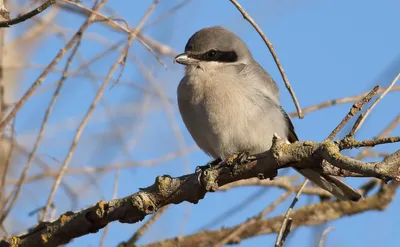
(49, 68)
(3, 10)
(344, 100)
(279, 182)
(135, 237)
(168, 190)
(99, 95)
(24, 17)
(144, 40)
(233, 236)
(31, 156)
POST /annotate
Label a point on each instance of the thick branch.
(309, 215)
(168, 190)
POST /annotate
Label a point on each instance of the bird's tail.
(331, 184)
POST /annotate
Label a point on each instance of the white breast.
(226, 115)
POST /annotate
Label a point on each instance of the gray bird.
(230, 104)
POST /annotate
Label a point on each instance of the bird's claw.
(240, 158)
(199, 169)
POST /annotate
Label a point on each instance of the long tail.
(331, 184)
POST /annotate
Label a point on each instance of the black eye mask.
(217, 56)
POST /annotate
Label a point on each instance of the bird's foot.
(200, 169)
(239, 158)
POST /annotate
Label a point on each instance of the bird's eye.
(212, 54)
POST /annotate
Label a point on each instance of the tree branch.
(168, 190)
(309, 215)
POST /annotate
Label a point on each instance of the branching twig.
(353, 111)
(364, 116)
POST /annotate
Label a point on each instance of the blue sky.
(329, 49)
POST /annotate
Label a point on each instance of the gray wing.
(262, 80)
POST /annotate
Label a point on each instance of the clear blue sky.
(329, 49)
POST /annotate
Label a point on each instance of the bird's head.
(214, 47)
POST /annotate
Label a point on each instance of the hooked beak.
(184, 59)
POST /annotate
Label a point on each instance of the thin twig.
(324, 235)
(28, 15)
(273, 53)
(353, 111)
(285, 227)
(364, 116)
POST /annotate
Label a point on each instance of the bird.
(231, 105)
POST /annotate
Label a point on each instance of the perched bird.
(231, 105)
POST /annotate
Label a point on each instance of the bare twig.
(364, 116)
(353, 111)
(28, 15)
(273, 53)
(287, 221)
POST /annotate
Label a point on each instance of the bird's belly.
(224, 122)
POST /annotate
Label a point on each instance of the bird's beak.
(184, 59)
